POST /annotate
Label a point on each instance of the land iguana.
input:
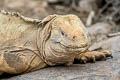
(30, 44)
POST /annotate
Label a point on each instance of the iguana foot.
(93, 56)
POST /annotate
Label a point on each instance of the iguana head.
(60, 38)
(68, 34)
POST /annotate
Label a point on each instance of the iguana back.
(13, 25)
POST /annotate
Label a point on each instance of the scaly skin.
(31, 44)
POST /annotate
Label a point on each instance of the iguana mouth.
(73, 48)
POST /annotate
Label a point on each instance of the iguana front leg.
(92, 56)
(16, 60)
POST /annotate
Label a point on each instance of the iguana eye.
(62, 33)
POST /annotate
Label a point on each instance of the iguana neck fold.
(42, 36)
(53, 57)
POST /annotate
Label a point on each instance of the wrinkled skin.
(30, 44)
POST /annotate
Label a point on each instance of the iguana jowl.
(30, 44)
